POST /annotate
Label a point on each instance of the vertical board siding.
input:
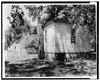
(49, 46)
(59, 41)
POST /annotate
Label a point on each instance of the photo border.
(45, 2)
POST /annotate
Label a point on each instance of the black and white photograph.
(49, 40)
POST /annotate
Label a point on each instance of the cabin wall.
(17, 48)
(49, 43)
(63, 39)
(63, 43)
(59, 41)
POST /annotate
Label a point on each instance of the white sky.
(6, 13)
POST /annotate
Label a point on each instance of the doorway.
(60, 57)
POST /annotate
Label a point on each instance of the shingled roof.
(54, 20)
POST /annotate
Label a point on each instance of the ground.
(30, 66)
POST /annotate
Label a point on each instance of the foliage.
(79, 16)
(17, 23)
(34, 12)
(19, 26)
(32, 45)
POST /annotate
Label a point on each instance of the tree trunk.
(40, 43)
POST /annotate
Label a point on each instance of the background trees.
(19, 26)
(81, 17)
(21, 30)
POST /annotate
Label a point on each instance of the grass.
(28, 65)
(37, 68)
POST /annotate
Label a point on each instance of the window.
(45, 36)
(73, 36)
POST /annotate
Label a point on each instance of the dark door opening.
(60, 57)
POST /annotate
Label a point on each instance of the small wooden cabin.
(60, 40)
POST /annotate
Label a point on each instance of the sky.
(6, 13)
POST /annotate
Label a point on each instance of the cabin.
(61, 40)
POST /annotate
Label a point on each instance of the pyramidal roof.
(54, 20)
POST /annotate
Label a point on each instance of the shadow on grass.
(37, 68)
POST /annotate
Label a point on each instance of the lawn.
(41, 68)
(28, 65)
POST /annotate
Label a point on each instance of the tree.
(81, 17)
(35, 12)
(19, 25)
(16, 20)
(8, 39)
